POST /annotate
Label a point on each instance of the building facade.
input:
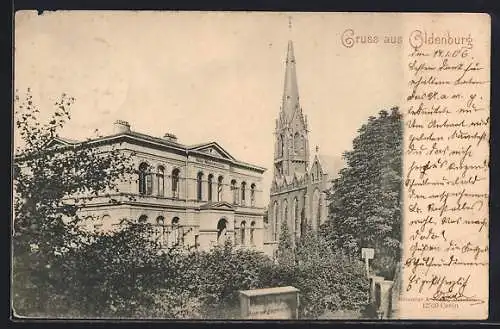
(300, 179)
(196, 196)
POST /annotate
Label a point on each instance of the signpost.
(367, 254)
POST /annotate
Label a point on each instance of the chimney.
(170, 137)
(120, 127)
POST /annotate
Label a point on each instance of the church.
(300, 179)
(194, 196)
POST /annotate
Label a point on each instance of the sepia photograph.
(249, 165)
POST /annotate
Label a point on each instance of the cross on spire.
(290, 23)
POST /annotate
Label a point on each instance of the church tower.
(291, 153)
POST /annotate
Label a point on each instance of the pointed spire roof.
(291, 90)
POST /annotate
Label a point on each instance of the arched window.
(252, 233)
(219, 188)
(252, 195)
(160, 231)
(285, 212)
(199, 186)
(209, 186)
(175, 183)
(243, 192)
(105, 221)
(282, 145)
(297, 143)
(175, 231)
(242, 235)
(234, 190)
(160, 178)
(315, 209)
(145, 180)
(275, 223)
(143, 219)
(221, 230)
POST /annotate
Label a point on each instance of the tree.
(285, 246)
(48, 183)
(328, 280)
(365, 200)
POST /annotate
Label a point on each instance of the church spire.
(291, 90)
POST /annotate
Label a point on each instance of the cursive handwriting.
(445, 169)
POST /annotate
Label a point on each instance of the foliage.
(365, 199)
(285, 246)
(47, 183)
(328, 280)
(224, 271)
(60, 270)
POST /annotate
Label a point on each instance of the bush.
(328, 280)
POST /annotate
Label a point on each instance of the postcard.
(250, 165)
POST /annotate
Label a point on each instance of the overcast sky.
(208, 76)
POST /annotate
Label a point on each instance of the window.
(252, 195)
(234, 190)
(209, 186)
(275, 221)
(145, 180)
(296, 217)
(196, 242)
(160, 179)
(159, 231)
(219, 188)
(175, 183)
(252, 232)
(243, 191)
(297, 143)
(175, 231)
(285, 212)
(316, 213)
(281, 145)
(221, 230)
(143, 219)
(242, 229)
(199, 186)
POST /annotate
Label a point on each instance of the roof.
(269, 291)
(210, 149)
(222, 205)
(330, 165)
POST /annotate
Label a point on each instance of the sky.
(208, 76)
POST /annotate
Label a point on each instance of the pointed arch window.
(282, 145)
(316, 208)
(145, 180)
(297, 143)
(199, 186)
(285, 212)
(296, 217)
(275, 221)
(209, 186)
(175, 183)
(219, 188)
(160, 179)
